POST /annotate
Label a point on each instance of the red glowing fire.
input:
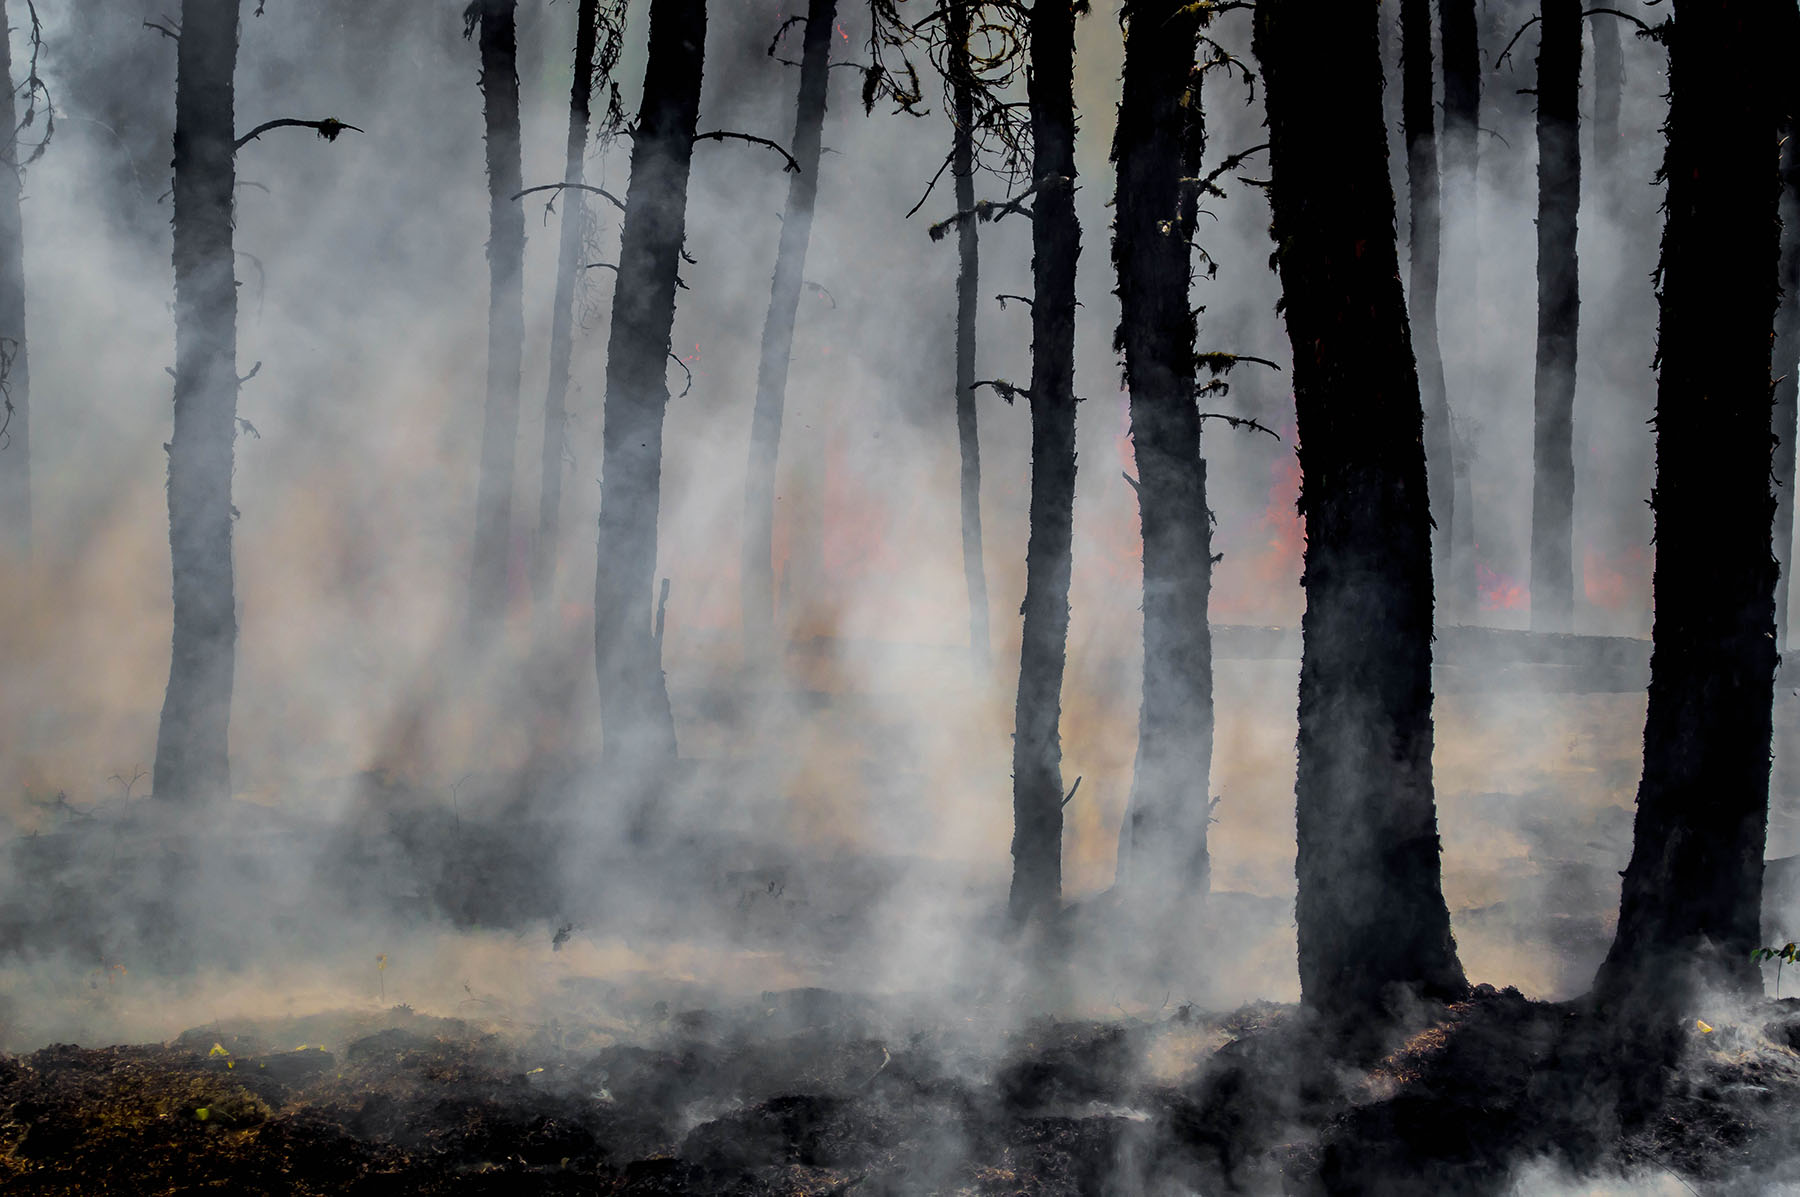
(1499, 592)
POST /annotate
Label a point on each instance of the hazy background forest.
(847, 817)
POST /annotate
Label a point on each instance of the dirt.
(798, 1094)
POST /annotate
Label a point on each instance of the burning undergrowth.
(814, 1092)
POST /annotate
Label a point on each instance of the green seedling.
(1781, 956)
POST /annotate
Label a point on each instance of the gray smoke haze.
(855, 826)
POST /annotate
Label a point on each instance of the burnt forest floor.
(803, 1092)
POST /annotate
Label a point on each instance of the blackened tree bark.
(1559, 305)
(15, 443)
(1370, 909)
(968, 279)
(758, 579)
(1692, 896)
(634, 696)
(562, 321)
(1043, 651)
(1418, 115)
(1160, 141)
(498, 40)
(1787, 342)
(191, 752)
(1460, 48)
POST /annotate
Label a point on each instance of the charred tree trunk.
(1419, 117)
(1370, 910)
(1460, 47)
(634, 697)
(569, 266)
(968, 275)
(1691, 902)
(191, 758)
(499, 41)
(1787, 355)
(1559, 305)
(1055, 244)
(15, 443)
(778, 336)
(1160, 141)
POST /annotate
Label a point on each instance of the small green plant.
(1781, 956)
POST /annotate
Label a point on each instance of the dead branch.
(254, 371)
(1070, 796)
(1131, 482)
(1222, 363)
(781, 32)
(327, 128)
(662, 613)
(1240, 422)
(1024, 299)
(1623, 16)
(1515, 41)
(931, 186)
(1209, 184)
(602, 266)
(248, 428)
(167, 31)
(820, 288)
(988, 210)
(686, 371)
(793, 165)
(1004, 389)
(600, 191)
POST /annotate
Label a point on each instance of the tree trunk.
(15, 442)
(1370, 910)
(1419, 117)
(1787, 354)
(191, 760)
(562, 321)
(1559, 303)
(506, 313)
(1043, 651)
(1691, 902)
(1460, 47)
(778, 336)
(634, 697)
(1161, 141)
(968, 274)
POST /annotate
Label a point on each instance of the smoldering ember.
(899, 597)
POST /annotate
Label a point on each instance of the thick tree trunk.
(1418, 113)
(1370, 909)
(1559, 304)
(506, 313)
(968, 275)
(1160, 141)
(778, 336)
(15, 442)
(1056, 244)
(1692, 897)
(1787, 356)
(562, 321)
(191, 758)
(634, 697)
(1460, 49)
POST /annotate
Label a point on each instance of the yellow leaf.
(202, 1113)
(218, 1049)
(1704, 1029)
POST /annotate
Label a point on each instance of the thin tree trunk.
(1160, 141)
(968, 275)
(562, 321)
(1370, 909)
(1043, 651)
(1559, 305)
(1460, 48)
(1419, 116)
(778, 336)
(1787, 359)
(191, 753)
(506, 312)
(634, 696)
(1691, 902)
(1609, 97)
(15, 442)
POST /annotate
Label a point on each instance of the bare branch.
(616, 201)
(327, 129)
(1515, 41)
(1623, 16)
(1024, 299)
(1070, 796)
(167, 31)
(686, 371)
(931, 186)
(988, 210)
(1240, 422)
(793, 166)
(1004, 389)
